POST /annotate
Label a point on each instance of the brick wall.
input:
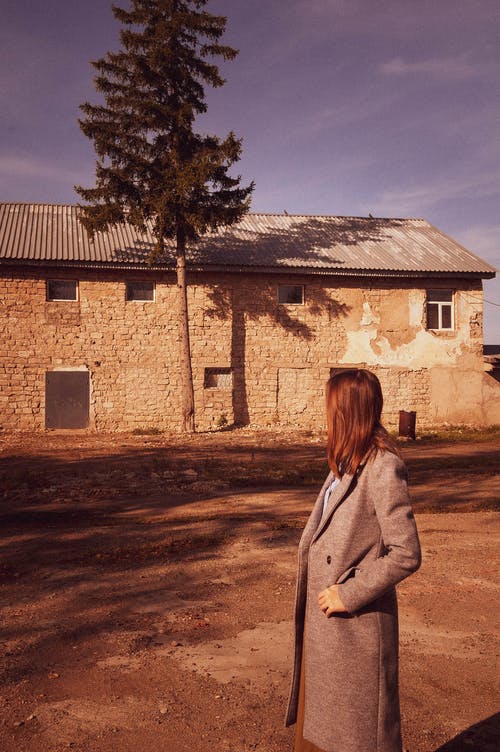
(279, 355)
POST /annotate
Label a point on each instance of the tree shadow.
(226, 305)
(274, 243)
(278, 241)
(481, 737)
(432, 468)
(103, 549)
(97, 563)
(104, 479)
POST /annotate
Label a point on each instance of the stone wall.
(273, 359)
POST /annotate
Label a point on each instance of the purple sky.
(345, 107)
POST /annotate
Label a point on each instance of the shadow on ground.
(482, 737)
(212, 463)
(95, 557)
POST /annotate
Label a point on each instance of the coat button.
(328, 559)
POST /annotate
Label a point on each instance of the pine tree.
(153, 167)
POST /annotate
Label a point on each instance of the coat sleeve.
(401, 547)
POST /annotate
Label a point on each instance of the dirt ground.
(147, 590)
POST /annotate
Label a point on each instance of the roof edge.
(252, 213)
(238, 269)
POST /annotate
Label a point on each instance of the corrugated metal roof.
(48, 233)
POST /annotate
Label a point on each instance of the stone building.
(89, 335)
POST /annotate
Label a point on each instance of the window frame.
(440, 305)
(140, 300)
(49, 299)
(214, 371)
(303, 294)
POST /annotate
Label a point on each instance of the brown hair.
(353, 408)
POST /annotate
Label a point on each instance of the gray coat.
(366, 542)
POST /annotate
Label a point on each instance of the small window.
(140, 291)
(218, 378)
(291, 294)
(440, 310)
(62, 289)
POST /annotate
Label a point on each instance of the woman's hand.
(329, 601)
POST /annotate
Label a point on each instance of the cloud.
(396, 19)
(458, 68)
(414, 200)
(483, 240)
(365, 104)
(26, 166)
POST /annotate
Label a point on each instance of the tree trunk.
(185, 350)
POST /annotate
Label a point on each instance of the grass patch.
(460, 433)
(147, 431)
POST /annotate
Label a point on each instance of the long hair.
(354, 404)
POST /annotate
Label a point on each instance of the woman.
(360, 540)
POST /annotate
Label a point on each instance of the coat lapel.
(315, 516)
(337, 496)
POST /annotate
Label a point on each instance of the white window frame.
(302, 287)
(60, 279)
(440, 305)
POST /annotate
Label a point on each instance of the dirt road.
(148, 612)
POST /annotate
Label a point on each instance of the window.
(140, 291)
(62, 289)
(218, 378)
(440, 310)
(291, 294)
